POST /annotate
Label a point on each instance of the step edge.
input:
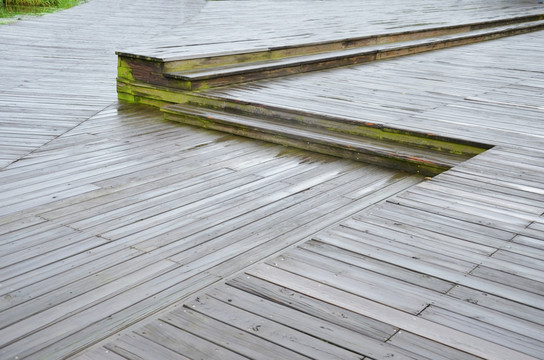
(410, 163)
(326, 117)
(376, 51)
(344, 142)
(474, 25)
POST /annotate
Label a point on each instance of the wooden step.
(396, 155)
(245, 72)
(338, 124)
(174, 63)
(218, 69)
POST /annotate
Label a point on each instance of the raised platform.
(208, 70)
(174, 79)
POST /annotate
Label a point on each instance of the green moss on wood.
(124, 71)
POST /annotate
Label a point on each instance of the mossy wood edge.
(459, 150)
(162, 97)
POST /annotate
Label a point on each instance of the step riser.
(284, 71)
(344, 126)
(130, 70)
(307, 49)
(390, 160)
(161, 97)
(410, 50)
(149, 94)
(354, 60)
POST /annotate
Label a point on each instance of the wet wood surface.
(123, 236)
(140, 213)
(273, 23)
(459, 93)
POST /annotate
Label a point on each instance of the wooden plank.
(535, 229)
(504, 169)
(530, 240)
(20, 238)
(353, 280)
(12, 224)
(426, 348)
(478, 195)
(117, 313)
(521, 254)
(50, 105)
(216, 200)
(476, 243)
(454, 276)
(498, 303)
(407, 250)
(404, 274)
(489, 216)
(416, 325)
(441, 224)
(309, 229)
(450, 181)
(527, 345)
(133, 346)
(283, 313)
(466, 119)
(24, 250)
(511, 278)
(237, 340)
(185, 343)
(523, 266)
(373, 332)
(269, 330)
(459, 249)
(42, 319)
(99, 353)
(42, 260)
(526, 187)
(47, 198)
(23, 286)
(390, 286)
(262, 220)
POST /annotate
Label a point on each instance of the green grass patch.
(13, 10)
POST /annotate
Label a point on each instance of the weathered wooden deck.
(125, 236)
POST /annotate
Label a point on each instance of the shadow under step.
(239, 73)
(395, 155)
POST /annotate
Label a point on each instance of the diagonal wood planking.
(143, 226)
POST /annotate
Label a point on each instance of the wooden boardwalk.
(125, 237)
